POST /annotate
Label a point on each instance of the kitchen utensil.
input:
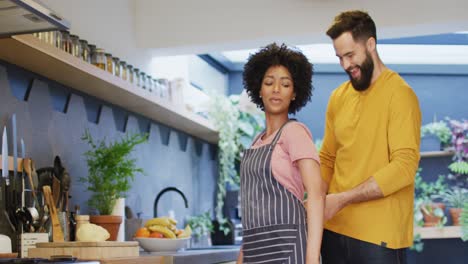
(56, 191)
(10, 215)
(57, 234)
(23, 154)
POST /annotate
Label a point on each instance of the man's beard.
(366, 68)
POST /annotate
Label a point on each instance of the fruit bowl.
(162, 244)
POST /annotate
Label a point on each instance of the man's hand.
(333, 204)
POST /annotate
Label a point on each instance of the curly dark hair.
(299, 67)
(359, 23)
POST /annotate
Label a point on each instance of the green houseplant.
(110, 172)
(438, 129)
(238, 121)
(455, 199)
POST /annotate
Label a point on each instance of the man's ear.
(370, 44)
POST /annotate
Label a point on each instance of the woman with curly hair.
(281, 165)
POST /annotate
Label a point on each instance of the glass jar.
(164, 86)
(130, 73)
(109, 63)
(85, 51)
(92, 48)
(117, 70)
(98, 58)
(75, 46)
(156, 88)
(136, 77)
(123, 70)
(58, 39)
(149, 82)
(66, 41)
(143, 80)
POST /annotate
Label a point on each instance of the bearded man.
(370, 152)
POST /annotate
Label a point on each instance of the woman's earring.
(260, 96)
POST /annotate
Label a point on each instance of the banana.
(187, 232)
(163, 230)
(162, 221)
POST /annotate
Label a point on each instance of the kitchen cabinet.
(34, 55)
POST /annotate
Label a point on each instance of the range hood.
(28, 16)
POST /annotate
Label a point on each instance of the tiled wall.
(52, 118)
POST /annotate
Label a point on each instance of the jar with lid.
(110, 67)
(58, 39)
(123, 70)
(143, 80)
(75, 46)
(156, 87)
(136, 77)
(164, 86)
(116, 66)
(85, 52)
(92, 48)
(149, 82)
(98, 58)
(130, 73)
(66, 41)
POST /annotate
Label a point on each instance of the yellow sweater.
(374, 133)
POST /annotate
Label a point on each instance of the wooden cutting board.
(86, 250)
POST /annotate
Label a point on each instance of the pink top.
(295, 143)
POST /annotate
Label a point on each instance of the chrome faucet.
(166, 190)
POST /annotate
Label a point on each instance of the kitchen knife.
(23, 176)
(5, 157)
(4, 160)
(15, 154)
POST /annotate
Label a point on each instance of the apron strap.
(278, 134)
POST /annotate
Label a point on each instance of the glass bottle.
(130, 73)
(123, 70)
(98, 58)
(116, 66)
(136, 77)
(85, 52)
(75, 46)
(110, 67)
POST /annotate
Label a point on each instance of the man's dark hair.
(359, 23)
(298, 65)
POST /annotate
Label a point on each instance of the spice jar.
(98, 58)
(85, 52)
(156, 88)
(149, 82)
(136, 77)
(66, 41)
(110, 67)
(75, 46)
(116, 66)
(123, 70)
(143, 80)
(130, 73)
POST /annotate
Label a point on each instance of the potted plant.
(459, 166)
(435, 136)
(202, 228)
(428, 212)
(238, 121)
(455, 198)
(110, 171)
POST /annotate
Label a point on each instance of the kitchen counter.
(216, 254)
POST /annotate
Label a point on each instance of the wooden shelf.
(433, 154)
(438, 232)
(32, 54)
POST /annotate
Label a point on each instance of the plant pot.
(430, 143)
(109, 222)
(455, 214)
(430, 219)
